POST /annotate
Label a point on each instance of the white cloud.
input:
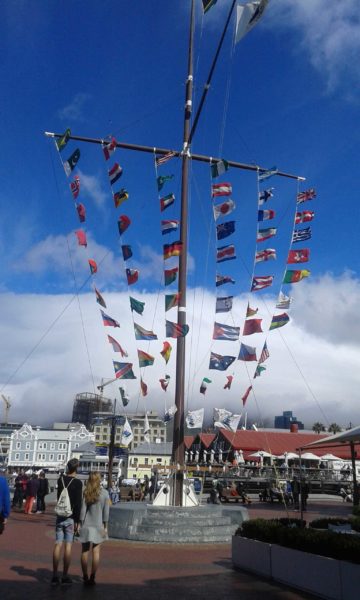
(92, 186)
(74, 110)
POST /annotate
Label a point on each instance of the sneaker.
(66, 580)
(55, 580)
(92, 580)
(86, 579)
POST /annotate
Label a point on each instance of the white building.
(144, 458)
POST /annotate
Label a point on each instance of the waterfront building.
(144, 458)
(6, 430)
(102, 429)
(91, 460)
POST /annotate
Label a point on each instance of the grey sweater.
(93, 517)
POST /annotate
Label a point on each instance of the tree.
(318, 427)
(334, 428)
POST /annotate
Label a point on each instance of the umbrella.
(260, 454)
(288, 456)
(309, 456)
(329, 457)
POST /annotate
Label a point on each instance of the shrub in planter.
(324, 523)
(356, 511)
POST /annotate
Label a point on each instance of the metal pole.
(111, 446)
(355, 485)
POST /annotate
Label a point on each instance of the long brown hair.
(92, 488)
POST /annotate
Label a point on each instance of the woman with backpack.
(94, 518)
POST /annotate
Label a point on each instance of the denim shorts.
(64, 529)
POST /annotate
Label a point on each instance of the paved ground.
(134, 570)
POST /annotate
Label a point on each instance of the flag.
(126, 252)
(166, 201)
(194, 418)
(171, 300)
(224, 304)
(81, 212)
(250, 312)
(124, 396)
(169, 413)
(108, 321)
(164, 382)
(283, 301)
(264, 195)
(267, 173)
(248, 15)
(247, 353)
(252, 326)
(164, 158)
(136, 305)
(207, 4)
(265, 234)
(123, 223)
(264, 353)
(225, 229)
(166, 351)
(71, 162)
(221, 189)
(162, 179)
(298, 256)
(143, 334)
(127, 435)
(246, 395)
(109, 148)
(75, 186)
(225, 253)
(295, 276)
(145, 359)
(120, 197)
(81, 237)
(173, 249)
(259, 369)
(224, 419)
(146, 429)
(203, 386)
(304, 216)
(116, 346)
(123, 370)
(115, 173)
(222, 279)
(220, 210)
(301, 235)
(220, 363)
(170, 275)
(259, 283)
(175, 330)
(219, 414)
(219, 168)
(265, 215)
(132, 275)
(99, 299)
(279, 321)
(227, 385)
(268, 254)
(169, 226)
(63, 140)
(93, 266)
(307, 195)
(225, 332)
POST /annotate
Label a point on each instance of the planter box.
(350, 580)
(251, 555)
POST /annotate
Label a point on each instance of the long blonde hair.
(92, 488)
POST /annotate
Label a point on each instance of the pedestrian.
(4, 501)
(304, 492)
(31, 492)
(295, 488)
(67, 527)
(43, 490)
(94, 520)
(18, 497)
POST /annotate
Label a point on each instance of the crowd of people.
(31, 488)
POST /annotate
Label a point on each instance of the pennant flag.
(194, 418)
(227, 385)
(264, 353)
(109, 148)
(304, 216)
(63, 140)
(176, 331)
(301, 235)
(247, 353)
(259, 369)
(225, 332)
(225, 253)
(250, 312)
(126, 252)
(75, 186)
(127, 435)
(220, 363)
(108, 321)
(265, 234)
(124, 397)
(164, 382)
(116, 346)
(221, 189)
(219, 168)
(204, 385)
(123, 370)
(304, 196)
(221, 210)
(169, 226)
(166, 351)
(246, 395)
(136, 305)
(279, 321)
(295, 276)
(169, 413)
(222, 279)
(81, 212)
(283, 301)
(252, 326)
(120, 197)
(224, 419)
(265, 215)
(267, 173)
(259, 283)
(143, 334)
(115, 173)
(166, 201)
(264, 195)
(162, 179)
(145, 359)
(171, 300)
(146, 429)
(225, 229)
(248, 15)
(173, 249)
(162, 159)
(123, 223)
(170, 275)
(132, 275)
(224, 304)
(99, 299)
(268, 254)
(81, 237)
(71, 162)
(298, 256)
(207, 4)
(93, 266)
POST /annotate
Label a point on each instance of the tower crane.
(7, 408)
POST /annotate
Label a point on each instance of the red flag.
(252, 326)
(304, 216)
(81, 236)
(132, 276)
(109, 148)
(227, 385)
(75, 186)
(164, 383)
(143, 387)
(99, 299)
(245, 396)
(93, 266)
(298, 256)
(81, 212)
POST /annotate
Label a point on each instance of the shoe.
(55, 581)
(66, 580)
(86, 579)
(92, 580)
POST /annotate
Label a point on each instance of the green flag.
(71, 162)
(207, 4)
(219, 168)
(63, 140)
(162, 179)
(171, 300)
(137, 306)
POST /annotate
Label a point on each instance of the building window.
(146, 461)
(62, 446)
(42, 445)
(76, 445)
(51, 457)
(26, 456)
(97, 437)
(17, 456)
(159, 460)
(41, 456)
(18, 445)
(27, 446)
(155, 431)
(52, 446)
(61, 457)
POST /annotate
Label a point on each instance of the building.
(286, 420)
(90, 460)
(144, 458)
(86, 404)
(6, 429)
(102, 429)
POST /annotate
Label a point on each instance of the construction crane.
(7, 408)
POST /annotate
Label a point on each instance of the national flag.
(123, 370)
(81, 212)
(169, 225)
(194, 418)
(81, 237)
(171, 300)
(173, 249)
(224, 304)
(259, 283)
(264, 353)
(166, 351)
(220, 210)
(265, 234)
(279, 321)
(283, 301)
(263, 255)
(304, 216)
(204, 384)
(93, 266)
(307, 195)
(219, 362)
(222, 279)
(170, 413)
(252, 326)
(124, 396)
(221, 189)
(264, 195)
(218, 168)
(127, 435)
(136, 305)
(170, 275)
(63, 140)
(108, 321)
(225, 253)
(123, 223)
(250, 312)
(298, 256)
(143, 334)
(166, 201)
(114, 174)
(225, 332)
(146, 429)
(175, 330)
(75, 186)
(265, 215)
(301, 235)
(116, 346)
(162, 179)
(247, 353)
(109, 148)
(207, 4)
(145, 359)
(120, 197)
(164, 382)
(126, 252)
(246, 395)
(132, 275)
(71, 162)
(227, 385)
(267, 173)
(164, 158)
(248, 15)
(99, 299)
(259, 369)
(295, 276)
(225, 229)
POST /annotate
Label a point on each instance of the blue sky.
(286, 95)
